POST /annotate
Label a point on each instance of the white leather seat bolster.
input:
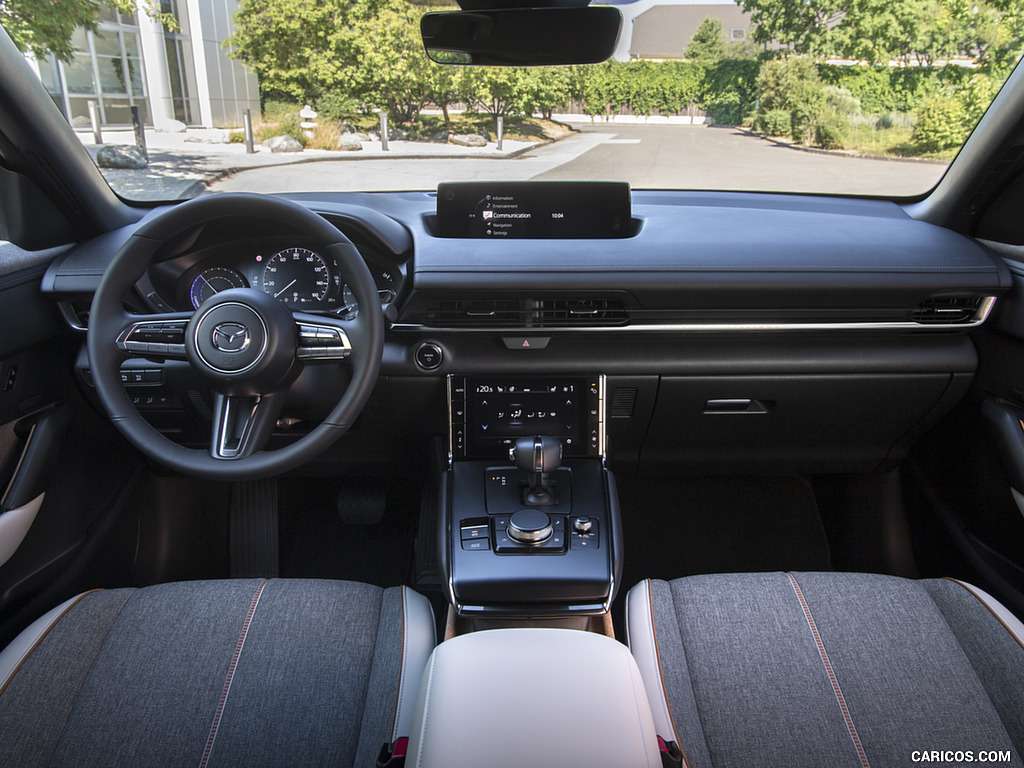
(14, 654)
(643, 644)
(14, 525)
(532, 697)
(1012, 623)
(418, 635)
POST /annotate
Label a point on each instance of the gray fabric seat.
(241, 672)
(829, 669)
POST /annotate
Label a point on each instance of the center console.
(531, 524)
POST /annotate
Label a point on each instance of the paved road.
(649, 157)
(696, 157)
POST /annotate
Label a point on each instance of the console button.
(476, 544)
(474, 532)
(525, 342)
(429, 356)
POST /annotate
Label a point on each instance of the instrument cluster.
(297, 274)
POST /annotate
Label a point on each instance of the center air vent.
(526, 313)
(949, 310)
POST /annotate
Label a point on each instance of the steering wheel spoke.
(242, 425)
(323, 339)
(160, 335)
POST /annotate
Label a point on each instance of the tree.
(392, 71)
(708, 42)
(300, 49)
(879, 31)
(44, 26)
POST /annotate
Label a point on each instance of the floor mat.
(317, 542)
(676, 527)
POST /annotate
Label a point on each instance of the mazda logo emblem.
(231, 337)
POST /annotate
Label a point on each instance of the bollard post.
(501, 130)
(140, 132)
(94, 118)
(247, 124)
(384, 131)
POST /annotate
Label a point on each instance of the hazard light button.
(526, 342)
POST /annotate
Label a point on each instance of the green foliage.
(392, 71)
(300, 49)
(921, 32)
(335, 105)
(830, 129)
(728, 90)
(945, 120)
(708, 42)
(774, 122)
(44, 26)
(940, 125)
(784, 82)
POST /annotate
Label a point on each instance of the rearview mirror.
(530, 37)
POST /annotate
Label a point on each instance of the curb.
(198, 187)
(840, 152)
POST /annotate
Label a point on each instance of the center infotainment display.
(499, 210)
(490, 414)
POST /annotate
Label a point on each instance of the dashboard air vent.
(526, 313)
(947, 310)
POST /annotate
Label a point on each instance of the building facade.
(132, 60)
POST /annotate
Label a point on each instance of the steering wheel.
(247, 345)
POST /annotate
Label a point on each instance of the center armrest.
(540, 697)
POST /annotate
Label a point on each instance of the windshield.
(175, 99)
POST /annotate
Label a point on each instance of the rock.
(282, 144)
(439, 137)
(170, 126)
(346, 127)
(467, 140)
(485, 134)
(350, 142)
(121, 156)
(207, 136)
(361, 136)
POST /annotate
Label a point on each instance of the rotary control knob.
(529, 526)
(582, 524)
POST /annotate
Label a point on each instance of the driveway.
(648, 156)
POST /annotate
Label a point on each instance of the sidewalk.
(180, 169)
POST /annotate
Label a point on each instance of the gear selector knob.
(539, 455)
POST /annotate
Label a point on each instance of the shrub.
(842, 101)
(940, 124)
(830, 129)
(806, 112)
(783, 82)
(775, 122)
(890, 120)
(336, 106)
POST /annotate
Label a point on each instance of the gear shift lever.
(539, 456)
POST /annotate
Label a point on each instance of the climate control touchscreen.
(490, 414)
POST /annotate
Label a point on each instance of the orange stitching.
(978, 597)
(230, 676)
(661, 675)
(831, 674)
(42, 637)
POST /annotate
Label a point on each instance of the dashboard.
(772, 332)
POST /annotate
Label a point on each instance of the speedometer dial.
(297, 277)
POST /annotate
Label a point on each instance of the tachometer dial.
(297, 277)
(213, 280)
